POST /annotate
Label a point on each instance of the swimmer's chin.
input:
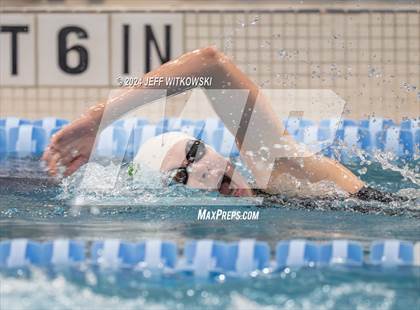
(237, 192)
(242, 192)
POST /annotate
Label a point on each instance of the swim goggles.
(194, 150)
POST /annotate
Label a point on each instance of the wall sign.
(81, 49)
(17, 49)
(141, 42)
(73, 49)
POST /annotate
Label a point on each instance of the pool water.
(31, 209)
(294, 289)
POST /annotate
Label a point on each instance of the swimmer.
(187, 160)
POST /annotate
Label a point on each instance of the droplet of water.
(335, 71)
(264, 153)
(362, 171)
(282, 53)
(266, 82)
(91, 278)
(374, 72)
(255, 20)
(241, 23)
(409, 87)
(266, 44)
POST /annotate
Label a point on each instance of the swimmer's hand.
(70, 148)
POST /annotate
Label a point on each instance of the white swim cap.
(153, 151)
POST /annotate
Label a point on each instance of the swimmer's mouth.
(224, 187)
(227, 187)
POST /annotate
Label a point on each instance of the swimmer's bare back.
(70, 148)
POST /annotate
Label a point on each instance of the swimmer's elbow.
(211, 54)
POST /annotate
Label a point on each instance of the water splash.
(228, 38)
(386, 161)
(380, 170)
(145, 187)
(408, 87)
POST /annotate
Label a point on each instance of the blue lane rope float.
(3, 143)
(392, 253)
(152, 254)
(23, 138)
(338, 252)
(247, 255)
(26, 140)
(10, 122)
(203, 258)
(21, 252)
(49, 124)
(296, 253)
(208, 258)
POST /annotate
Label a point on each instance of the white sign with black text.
(17, 49)
(73, 49)
(85, 49)
(141, 42)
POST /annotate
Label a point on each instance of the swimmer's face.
(209, 170)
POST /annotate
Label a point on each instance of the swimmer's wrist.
(93, 116)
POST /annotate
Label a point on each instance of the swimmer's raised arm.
(261, 128)
(71, 146)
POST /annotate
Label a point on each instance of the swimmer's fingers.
(54, 164)
(49, 157)
(65, 151)
(47, 154)
(59, 161)
(61, 140)
(74, 165)
(66, 146)
(60, 164)
(68, 156)
(53, 147)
